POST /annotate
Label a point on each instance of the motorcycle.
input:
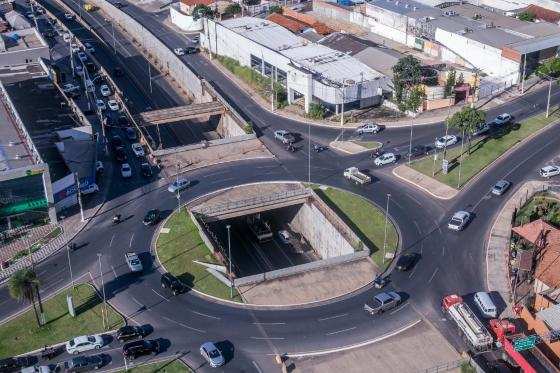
(117, 219)
(319, 148)
(290, 147)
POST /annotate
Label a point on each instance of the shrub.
(316, 111)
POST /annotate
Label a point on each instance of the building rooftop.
(333, 66)
(291, 24)
(408, 8)
(13, 152)
(21, 40)
(543, 13)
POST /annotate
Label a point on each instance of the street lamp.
(385, 234)
(345, 83)
(228, 227)
(70, 264)
(104, 310)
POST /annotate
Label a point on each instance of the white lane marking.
(111, 242)
(414, 199)
(269, 323)
(443, 251)
(114, 272)
(131, 238)
(205, 315)
(161, 296)
(433, 275)
(332, 317)
(183, 325)
(51, 285)
(342, 331)
(398, 309)
(268, 338)
(413, 270)
(417, 226)
(136, 301)
(256, 366)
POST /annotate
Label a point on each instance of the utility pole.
(342, 115)
(523, 74)
(104, 310)
(309, 155)
(70, 265)
(548, 100)
(178, 189)
(272, 89)
(385, 234)
(150, 75)
(410, 142)
(461, 158)
(79, 196)
(228, 227)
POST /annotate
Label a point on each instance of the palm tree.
(24, 284)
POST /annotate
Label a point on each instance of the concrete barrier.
(202, 231)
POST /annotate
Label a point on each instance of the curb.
(422, 187)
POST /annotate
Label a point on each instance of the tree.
(527, 16)
(460, 79)
(24, 285)
(233, 8)
(406, 73)
(549, 68)
(202, 11)
(467, 120)
(415, 98)
(275, 9)
(316, 111)
(450, 83)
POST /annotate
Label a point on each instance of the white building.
(317, 73)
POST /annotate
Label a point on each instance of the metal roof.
(551, 316)
(536, 44)
(409, 8)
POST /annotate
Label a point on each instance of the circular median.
(281, 253)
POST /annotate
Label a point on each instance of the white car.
(126, 171)
(284, 236)
(89, 189)
(178, 185)
(30, 15)
(67, 88)
(66, 37)
(133, 262)
(99, 167)
(549, 171)
(212, 355)
(82, 56)
(138, 150)
(385, 158)
(445, 141)
(459, 220)
(113, 105)
(68, 16)
(502, 119)
(284, 136)
(75, 48)
(89, 47)
(101, 104)
(179, 51)
(105, 90)
(84, 343)
(79, 70)
(368, 128)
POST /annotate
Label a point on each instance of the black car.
(130, 133)
(192, 50)
(82, 363)
(419, 151)
(168, 281)
(152, 217)
(116, 141)
(146, 169)
(132, 350)
(14, 364)
(120, 154)
(126, 333)
(406, 261)
(118, 5)
(122, 121)
(117, 71)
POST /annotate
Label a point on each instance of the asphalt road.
(449, 263)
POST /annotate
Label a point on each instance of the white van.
(485, 304)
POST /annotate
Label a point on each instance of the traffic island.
(355, 146)
(285, 237)
(21, 334)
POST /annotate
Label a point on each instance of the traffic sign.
(525, 343)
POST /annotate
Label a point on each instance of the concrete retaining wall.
(290, 271)
(202, 231)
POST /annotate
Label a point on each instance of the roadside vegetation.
(167, 366)
(177, 251)
(23, 333)
(544, 206)
(365, 219)
(482, 151)
(39, 244)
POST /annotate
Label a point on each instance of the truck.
(476, 334)
(382, 302)
(353, 174)
(260, 228)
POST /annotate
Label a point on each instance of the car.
(168, 281)
(75, 48)
(126, 171)
(122, 121)
(385, 158)
(30, 15)
(118, 4)
(69, 87)
(130, 133)
(117, 71)
(549, 171)
(380, 281)
(89, 86)
(382, 302)
(113, 105)
(99, 167)
(105, 90)
(81, 363)
(500, 187)
(38, 369)
(178, 185)
(66, 37)
(133, 262)
(100, 104)
(79, 70)
(14, 364)
(445, 141)
(502, 119)
(132, 350)
(481, 129)
(89, 47)
(368, 128)
(151, 217)
(179, 51)
(195, 39)
(418, 151)
(459, 220)
(89, 189)
(212, 354)
(91, 67)
(284, 136)
(120, 154)
(192, 50)
(137, 149)
(116, 141)
(128, 332)
(284, 237)
(68, 16)
(84, 343)
(406, 261)
(146, 169)
(82, 56)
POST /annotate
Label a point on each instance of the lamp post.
(104, 310)
(461, 158)
(385, 234)
(228, 227)
(70, 264)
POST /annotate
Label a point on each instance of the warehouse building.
(307, 70)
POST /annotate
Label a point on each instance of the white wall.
(183, 21)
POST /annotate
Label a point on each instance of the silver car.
(459, 220)
(500, 187)
(212, 355)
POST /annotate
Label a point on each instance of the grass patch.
(368, 144)
(22, 334)
(177, 250)
(543, 205)
(365, 219)
(484, 151)
(168, 366)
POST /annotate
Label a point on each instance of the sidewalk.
(497, 248)
(426, 183)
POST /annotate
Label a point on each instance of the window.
(281, 76)
(267, 69)
(256, 63)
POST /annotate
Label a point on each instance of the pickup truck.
(382, 302)
(354, 174)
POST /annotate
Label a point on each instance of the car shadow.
(227, 349)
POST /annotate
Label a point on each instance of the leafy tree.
(24, 285)
(316, 111)
(202, 11)
(275, 9)
(527, 16)
(450, 83)
(233, 8)
(406, 73)
(549, 68)
(414, 99)
(460, 79)
(467, 120)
